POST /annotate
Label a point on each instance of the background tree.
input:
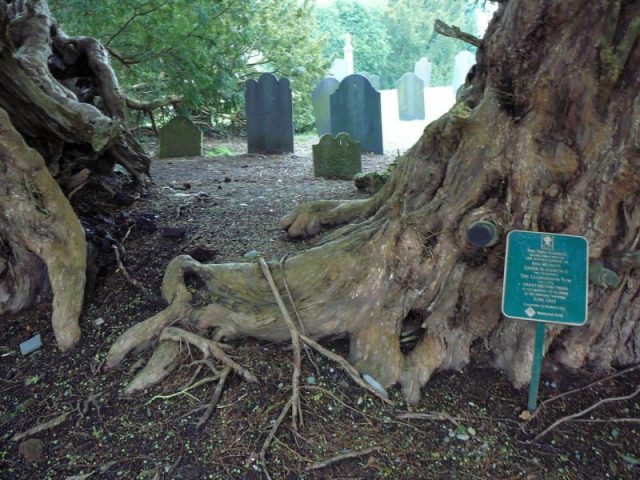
(370, 35)
(390, 39)
(410, 24)
(204, 51)
(545, 138)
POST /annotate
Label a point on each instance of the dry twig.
(53, 423)
(579, 389)
(272, 434)
(136, 283)
(338, 458)
(214, 398)
(430, 416)
(585, 411)
(208, 348)
(307, 350)
(346, 366)
(296, 408)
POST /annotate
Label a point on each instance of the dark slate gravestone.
(321, 104)
(355, 109)
(374, 80)
(180, 138)
(422, 69)
(269, 115)
(410, 97)
(337, 157)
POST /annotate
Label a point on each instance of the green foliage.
(366, 24)
(389, 40)
(203, 50)
(219, 152)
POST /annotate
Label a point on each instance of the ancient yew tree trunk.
(61, 129)
(545, 137)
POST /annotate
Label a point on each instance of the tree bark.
(62, 123)
(546, 138)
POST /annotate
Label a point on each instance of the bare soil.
(220, 208)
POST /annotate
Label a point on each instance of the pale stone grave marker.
(337, 157)
(410, 90)
(269, 115)
(356, 109)
(463, 63)
(322, 105)
(179, 137)
(422, 69)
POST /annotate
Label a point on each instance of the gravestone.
(339, 69)
(422, 69)
(322, 105)
(269, 115)
(356, 109)
(463, 63)
(410, 90)
(374, 80)
(179, 137)
(337, 157)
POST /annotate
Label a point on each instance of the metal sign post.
(545, 281)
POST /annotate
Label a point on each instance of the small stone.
(31, 449)
(471, 431)
(98, 321)
(252, 254)
(311, 380)
(463, 436)
(31, 345)
(375, 385)
(173, 232)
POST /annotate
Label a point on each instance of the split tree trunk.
(61, 125)
(546, 137)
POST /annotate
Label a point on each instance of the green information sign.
(546, 277)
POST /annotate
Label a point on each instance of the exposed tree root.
(208, 348)
(164, 360)
(36, 217)
(296, 408)
(214, 398)
(272, 434)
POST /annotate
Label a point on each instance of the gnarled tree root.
(36, 217)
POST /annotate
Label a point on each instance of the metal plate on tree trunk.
(546, 277)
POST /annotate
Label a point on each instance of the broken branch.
(454, 32)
